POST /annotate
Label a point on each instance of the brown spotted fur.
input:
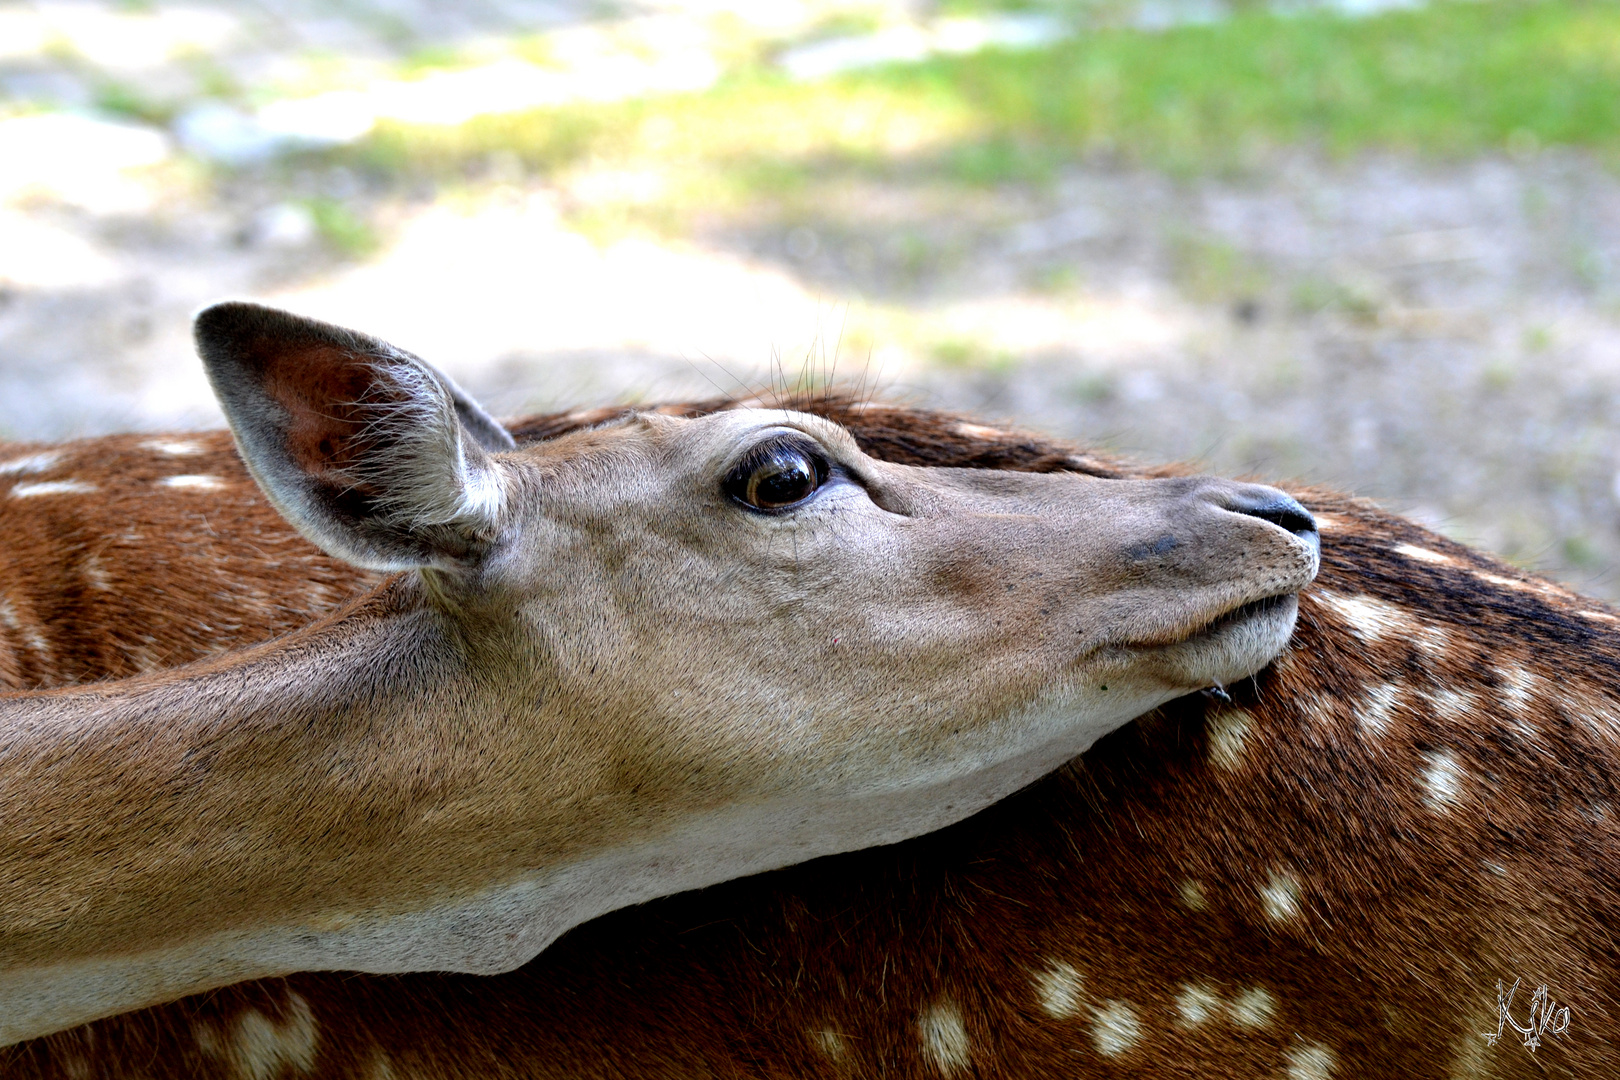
(1144, 868)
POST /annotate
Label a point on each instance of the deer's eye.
(777, 475)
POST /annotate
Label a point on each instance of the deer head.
(636, 659)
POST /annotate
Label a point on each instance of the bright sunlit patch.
(36, 254)
(910, 42)
(616, 61)
(117, 40)
(635, 296)
(75, 159)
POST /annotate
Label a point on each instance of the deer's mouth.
(1283, 604)
(1233, 645)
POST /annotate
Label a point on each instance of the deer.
(634, 660)
(1391, 852)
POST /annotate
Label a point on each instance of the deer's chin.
(1233, 646)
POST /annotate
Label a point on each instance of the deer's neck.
(288, 809)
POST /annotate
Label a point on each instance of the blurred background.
(1370, 243)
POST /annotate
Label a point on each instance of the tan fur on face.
(632, 686)
(1406, 918)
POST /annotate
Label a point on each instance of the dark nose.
(1269, 504)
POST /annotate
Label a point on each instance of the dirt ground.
(1444, 337)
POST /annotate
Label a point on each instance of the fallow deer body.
(1338, 873)
(619, 664)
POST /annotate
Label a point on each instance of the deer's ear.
(372, 453)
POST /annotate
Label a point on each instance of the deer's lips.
(1231, 646)
(1285, 605)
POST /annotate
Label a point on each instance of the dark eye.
(777, 475)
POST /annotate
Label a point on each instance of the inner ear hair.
(393, 464)
(359, 444)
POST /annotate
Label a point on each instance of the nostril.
(1277, 508)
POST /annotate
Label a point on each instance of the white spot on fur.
(197, 481)
(1228, 728)
(1115, 1028)
(1442, 781)
(1196, 1004)
(260, 1048)
(829, 1042)
(1600, 616)
(207, 1039)
(944, 1038)
(1370, 619)
(1310, 1061)
(1378, 708)
(1455, 705)
(1506, 583)
(1434, 640)
(31, 464)
(1192, 895)
(1540, 588)
(1280, 895)
(979, 431)
(1315, 708)
(96, 574)
(1423, 554)
(1059, 990)
(30, 632)
(1596, 714)
(52, 487)
(1325, 522)
(1518, 687)
(174, 448)
(1253, 1008)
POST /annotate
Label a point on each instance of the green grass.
(343, 230)
(1452, 79)
(120, 99)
